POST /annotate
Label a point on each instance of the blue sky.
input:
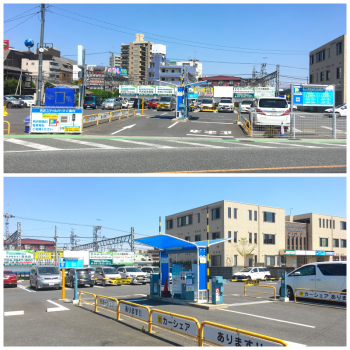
(124, 202)
(241, 33)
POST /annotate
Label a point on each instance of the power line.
(15, 19)
(208, 48)
(19, 24)
(22, 13)
(163, 36)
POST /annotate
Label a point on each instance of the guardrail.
(120, 281)
(247, 127)
(188, 326)
(108, 115)
(8, 127)
(261, 279)
(320, 295)
(256, 284)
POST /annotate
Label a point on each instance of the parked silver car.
(111, 103)
(11, 101)
(45, 276)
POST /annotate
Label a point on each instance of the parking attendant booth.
(188, 284)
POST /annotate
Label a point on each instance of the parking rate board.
(312, 95)
(181, 325)
(224, 337)
(56, 120)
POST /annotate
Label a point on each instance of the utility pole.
(7, 224)
(56, 259)
(19, 235)
(207, 254)
(132, 246)
(95, 237)
(160, 225)
(277, 80)
(41, 50)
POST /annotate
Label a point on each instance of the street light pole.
(41, 49)
(207, 254)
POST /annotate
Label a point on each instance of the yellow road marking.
(254, 169)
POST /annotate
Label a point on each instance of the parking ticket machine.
(187, 285)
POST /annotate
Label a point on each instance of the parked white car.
(323, 276)
(137, 276)
(246, 105)
(226, 105)
(294, 107)
(150, 270)
(340, 111)
(252, 273)
(128, 103)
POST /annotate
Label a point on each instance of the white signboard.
(81, 56)
(159, 48)
(164, 90)
(56, 120)
(101, 255)
(127, 89)
(134, 311)
(18, 258)
(321, 295)
(126, 258)
(107, 303)
(176, 285)
(264, 91)
(146, 90)
(175, 323)
(225, 337)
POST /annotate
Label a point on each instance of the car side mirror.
(297, 273)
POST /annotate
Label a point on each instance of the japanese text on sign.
(175, 323)
(321, 295)
(134, 311)
(225, 337)
(107, 303)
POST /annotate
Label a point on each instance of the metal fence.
(302, 125)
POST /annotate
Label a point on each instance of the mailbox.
(217, 289)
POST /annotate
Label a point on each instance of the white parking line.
(13, 313)
(98, 286)
(294, 145)
(326, 127)
(172, 125)
(58, 308)
(164, 113)
(196, 135)
(27, 289)
(91, 144)
(248, 145)
(254, 302)
(268, 318)
(196, 144)
(37, 146)
(136, 299)
(333, 144)
(194, 121)
(143, 143)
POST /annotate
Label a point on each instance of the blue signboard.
(312, 95)
(176, 269)
(320, 252)
(330, 253)
(67, 263)
(192, 95)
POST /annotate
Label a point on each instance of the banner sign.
(144, 90)
(312, 95)
(66, 263)
(18, 257)
(6, 44)
(117, 71)
(243, 92)
(125, 258)
(127, 89)
(56, 120)
(101, 255)
(107, 303)
(264, 91)
(112, 258)
(164, 90)
(321, 295)
(134, 311)
(101, 262)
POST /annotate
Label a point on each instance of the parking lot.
(304, 323)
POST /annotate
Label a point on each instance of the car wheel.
(290, 293)
(249, 278)
(143, 282)
(91, 285)
(36, 286)
(9, 105)
(103, 282)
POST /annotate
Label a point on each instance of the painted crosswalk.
(18, 145)
(26, 288)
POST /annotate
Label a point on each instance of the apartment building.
(136, 57)
(262, 226)
(198, 67)
(327, 66)
(115, 61)
(314, 237)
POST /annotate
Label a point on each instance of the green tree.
(244, 248)
(102, 93)
(10, 86)
(74, 82)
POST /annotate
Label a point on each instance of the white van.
(323, 276)
(270, 111)
(252, 273)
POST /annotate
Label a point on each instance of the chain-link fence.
(302, 125)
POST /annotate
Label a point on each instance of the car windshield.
(89, 98)
(226, 101)
(154, 101)
(272, 103)
(250, 103)
(132, 269)
(207, 101)
(156, 270)
(165, 99)
(110, 100)
(8, 273)
(132, 99)
(110, 270)
(27, 97)
(50, 270)
(10, 98)
(91, 269)
(83, 272)
(246, 269)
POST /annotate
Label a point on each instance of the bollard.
(283, 297)
(75, 286)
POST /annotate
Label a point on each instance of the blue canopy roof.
(167, 243)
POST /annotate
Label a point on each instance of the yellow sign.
(46, 255)
(72, 129)
(159, 319)
(50, 115)
(80, 81)
(301, 293)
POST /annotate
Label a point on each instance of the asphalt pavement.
(302, 323)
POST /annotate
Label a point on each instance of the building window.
(269, 239)
(333, 223)
(288, 241)
(335, 258)
(215, 214)
(235, 213)
(27, 247)
(270, 260)
(255, 238)
(235, 260)
(250, 237)
(305, 247)
(229, 213)
(323, 223)
(323, 242)
(301, 241)
(216, 260)
(343, 258)
(184, 220)
(320, 56)
(328, 75)
(169, 224)
(283, 260)
(250, 215)
(327, 223)
(199, 217)
(229, 236)
(339, 73)
(235, 237)
(42, 247)
(187, 238)
(296, 243)
(321, 76)
(292, 243)
(311, 59)
(220, 82)
(343, 225)
(197, 238)
(215, 235)
(319, 222)
(311, 78)
(269, 217)
(339, 48)
(335, 243)
(255, 215)
(343, 243)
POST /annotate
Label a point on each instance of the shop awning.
(169, 243)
